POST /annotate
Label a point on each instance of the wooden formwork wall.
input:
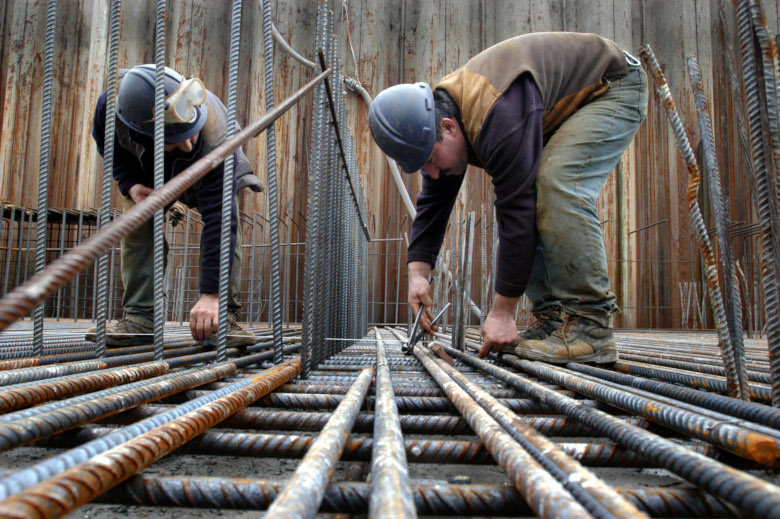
(384, 42)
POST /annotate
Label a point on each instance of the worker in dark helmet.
(547, 116)
(195, 124)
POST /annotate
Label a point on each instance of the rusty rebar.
(304, 491)
(75, 486)
(391, 494)
(702, 239)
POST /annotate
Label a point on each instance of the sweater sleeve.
(510, 144)
(434, 205)
(123, 172)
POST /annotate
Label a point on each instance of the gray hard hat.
(402, 122)
(135, 104)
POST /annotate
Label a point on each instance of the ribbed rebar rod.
(755, 443)
(225, 238)
(432, 499)
(391, 494)
(29, 396)
(693, 365)
(734, 363)
(758, 413)
(304, 491)
(593, 494)
(545, 496)
(749, 494)
(22, 299)
(107, 180)
(766, 204)
(273, 200)
(159, 179)
(75, 486)
(702, 239)
(357, 448)
(771, 71)
(43, 171)
(756, 392)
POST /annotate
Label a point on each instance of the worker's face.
(449, 156)
(185, 146)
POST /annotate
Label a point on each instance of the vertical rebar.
(159, 179)
(735, 365)
(225, 256)
(766, 205)
(43, 172)
(273, 205)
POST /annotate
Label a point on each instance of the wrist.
(504, 306)
(419, 268)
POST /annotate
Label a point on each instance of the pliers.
(414, 335)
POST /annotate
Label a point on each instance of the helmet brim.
(173, 132)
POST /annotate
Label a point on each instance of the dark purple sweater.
(508, 148)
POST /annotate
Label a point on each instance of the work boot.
(130, 331)
(578, 340)
(544, 325)
(238, 337)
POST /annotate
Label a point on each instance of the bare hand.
(499, 330)
(203, 317)
(139, 191)
(421, 293)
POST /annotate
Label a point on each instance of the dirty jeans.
(138, 270)
(570, 266)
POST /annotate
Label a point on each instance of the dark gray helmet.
(402, 122)
(185, 109)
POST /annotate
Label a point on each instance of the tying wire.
(43, 173)
(159, 180)
(228, 186)
(108, 169)
(273, 204)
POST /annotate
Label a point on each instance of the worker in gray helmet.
(547, 116)
(195, 124)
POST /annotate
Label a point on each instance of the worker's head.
(185, 109)
(418, 132)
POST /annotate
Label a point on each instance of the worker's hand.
(499, 330)
(421, 293)
(139, 191)
(203, 317)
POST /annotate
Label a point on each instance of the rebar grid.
(132, 396)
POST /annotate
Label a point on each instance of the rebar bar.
(304, 491)
(43, 172)
(159, 179)
(391, 495)
(749, 494)
(766, 205)
(83, 482)
(735, 363)
(703, 241)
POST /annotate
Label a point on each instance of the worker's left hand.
(204, 317)
(499, 330)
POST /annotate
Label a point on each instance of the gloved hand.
(251, 181)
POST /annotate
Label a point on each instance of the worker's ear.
(449, 125)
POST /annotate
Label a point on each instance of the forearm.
(504, 306)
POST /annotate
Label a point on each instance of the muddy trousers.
(570, 265)
(138, 270)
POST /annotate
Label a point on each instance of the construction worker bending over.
(195, 124)
(547, 116)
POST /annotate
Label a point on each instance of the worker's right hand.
(139, 191)
(420, 293)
